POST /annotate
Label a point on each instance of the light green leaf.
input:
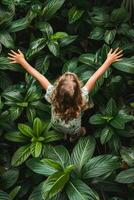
(126, 176)
(78, 190)
(106, 135)
(54, 184)
(109, 36)
(20, 155)
(37, 127)
(6, 39)
(36, 148)
(100, 166)
(82, 152)
(54, 48)
(59, 154)
(51, 8)
(25, 130)
(14, 192)
(15, 136)
(97, 119)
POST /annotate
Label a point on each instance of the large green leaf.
(36, 148)
(15, 136)
(119, 15)
(126, 176)
(4, 195)
(111, 108)
(37, 127)
(97, 33)
(14, 192)
(51, 8)
(20, 155)
(78, 190)
(117, 122)
(25, 130)
(109, 36)
(6, 39)
(82, 152)
(106, 134)
(100, 166)
(54, 184)
(45, 167)
(19, 25)
(97, 119)
(127, 155)
(9, 178)
(59, 154)
(37, 193)
(74, 14)
(125, 65)
(54, 48)
(51, 136)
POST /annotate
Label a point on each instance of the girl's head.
(67, 97)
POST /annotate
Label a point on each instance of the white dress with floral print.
(72, 126)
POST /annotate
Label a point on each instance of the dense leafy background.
(57, 36)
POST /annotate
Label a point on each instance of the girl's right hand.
(114, 55)
(16, 57)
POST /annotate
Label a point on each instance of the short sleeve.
(85, 94)
(49, 92)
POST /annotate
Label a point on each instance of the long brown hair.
(67, 101)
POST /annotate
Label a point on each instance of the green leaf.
(37, 127)
(97, 34)
(25, 130)
(20, 155)
(127, 155)
(37, 193)
(111, 108)
(59, 35)
(54, 48)
(36, 46)
(87, 59)
(6, 39)
(67, 40)
(109, 36)
(36, 148)
(4, 195)
(52, 136)
(119, 15)
(54, 184)
(45, 167)
(58, 153)
(78, 190)
(19, 24)
(106, 135)
(9, 178)
(74, 14)
(51, 8)
(100, 166)
(126, 176)
(15, 137)
(14, 192)
(125, 65)
(117, 122)
(97, 119)
(82, 152)
(70, 65)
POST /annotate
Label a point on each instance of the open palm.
(16, 57)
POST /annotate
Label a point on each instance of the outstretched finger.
(13, 52)
(12, 55)
(13, 62)
(20, 51)
(11, 58)
(110, 51)
(119, 59)
(119, 52)
(119, 56)
(116, 50)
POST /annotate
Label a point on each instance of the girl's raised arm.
(19, 58)
(112, 56)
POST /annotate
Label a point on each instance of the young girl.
(66, 96)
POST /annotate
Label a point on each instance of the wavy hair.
(67, 97)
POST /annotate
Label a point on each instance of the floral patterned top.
(72, 126)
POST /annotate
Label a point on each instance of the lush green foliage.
(58, 36)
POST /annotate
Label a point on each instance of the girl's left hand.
(115, 55)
